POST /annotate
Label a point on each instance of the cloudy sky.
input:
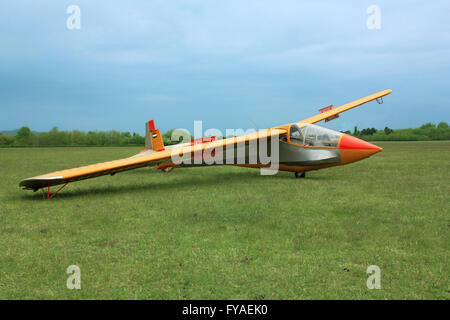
(230, 63)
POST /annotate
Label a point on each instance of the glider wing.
(335, 111)
(139, 161)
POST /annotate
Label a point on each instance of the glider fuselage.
(305, 147)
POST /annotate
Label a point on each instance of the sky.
(231, 64)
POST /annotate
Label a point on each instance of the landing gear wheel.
(300, 174)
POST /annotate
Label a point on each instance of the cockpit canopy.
(313, 135)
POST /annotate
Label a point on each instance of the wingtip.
(37, 183)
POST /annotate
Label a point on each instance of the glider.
(302, 146)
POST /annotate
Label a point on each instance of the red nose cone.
(354, 149)
(349, 142)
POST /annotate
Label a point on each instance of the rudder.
(153, 138)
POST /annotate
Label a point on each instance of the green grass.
(228, 232)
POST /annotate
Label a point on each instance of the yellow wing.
(345, 107)
(153, 159)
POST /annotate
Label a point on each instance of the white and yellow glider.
(161, 157)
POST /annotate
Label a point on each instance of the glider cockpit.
(311, 135)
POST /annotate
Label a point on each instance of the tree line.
(427, 131)
(55, 137)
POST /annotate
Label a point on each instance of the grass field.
(228, 232)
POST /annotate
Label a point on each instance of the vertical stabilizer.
(153, 138)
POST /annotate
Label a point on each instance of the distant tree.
(137, 139)
(6, 140)
(79, 138)
(442, 125)
(388, 130)
(428, 125)
(91, 138)
(368, 131)
(101, 138)
(24, 135)
(125, 138)
(53, 136)
(24, 132)
(355, 131)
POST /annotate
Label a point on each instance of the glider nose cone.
(354, 149)
(350, 142)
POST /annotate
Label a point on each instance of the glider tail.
(153, 138)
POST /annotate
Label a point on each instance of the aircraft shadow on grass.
(210, 179)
